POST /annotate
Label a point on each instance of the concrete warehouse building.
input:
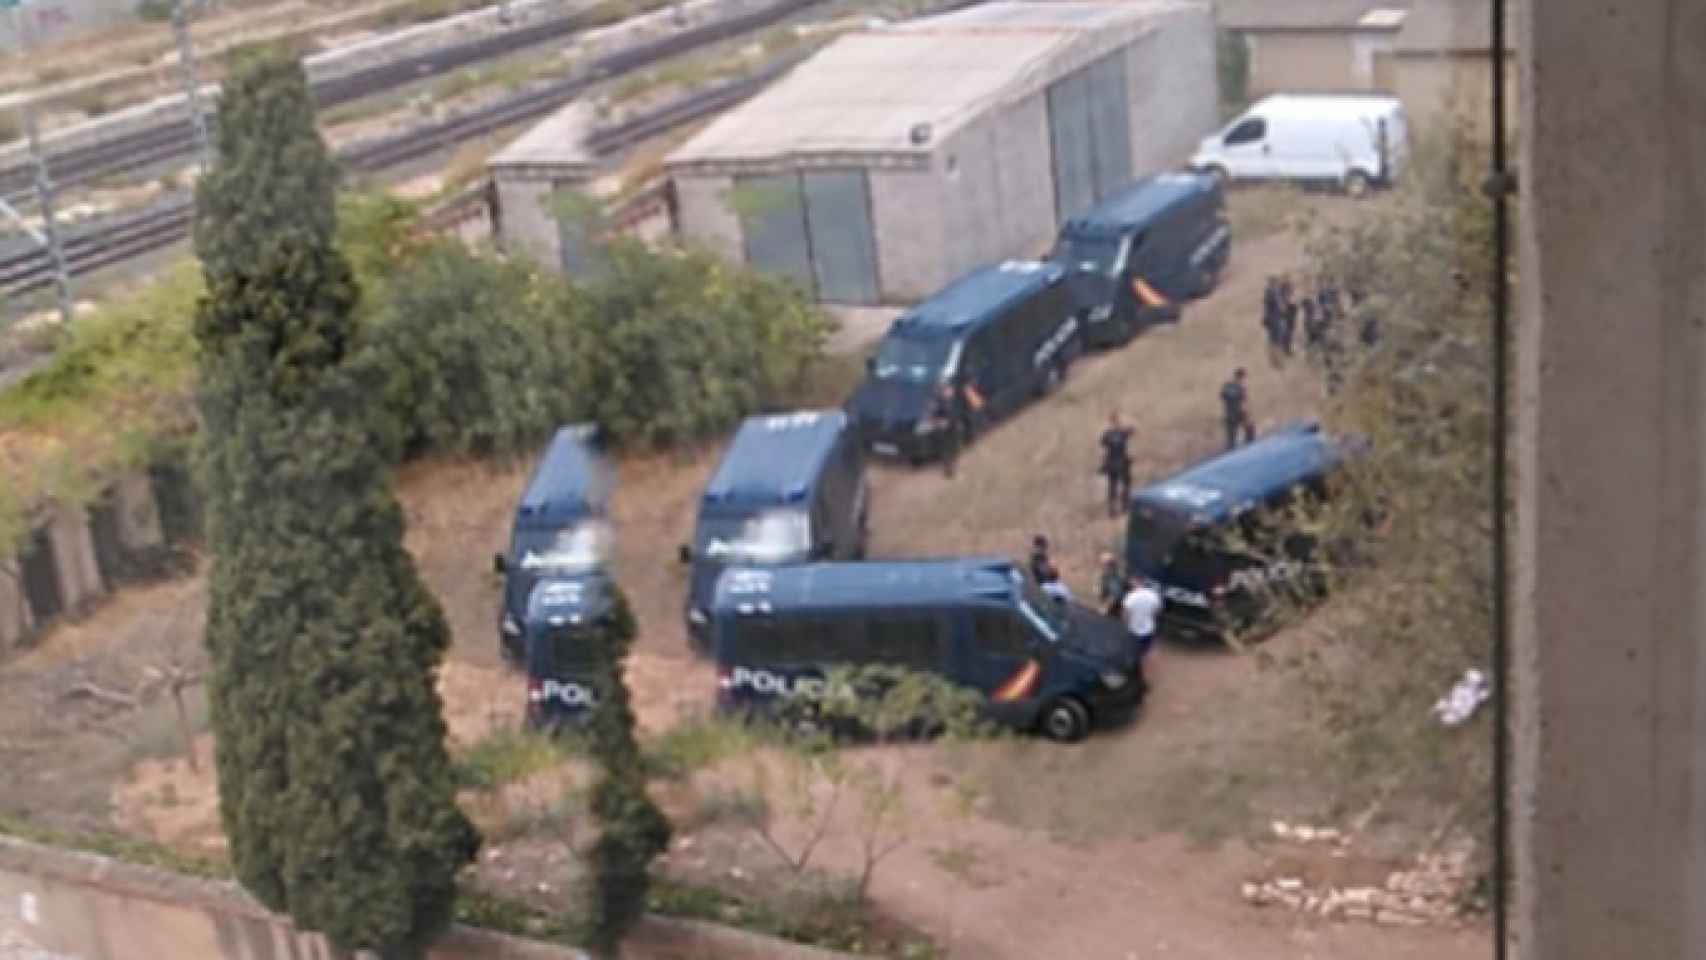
(538, 182)
(901, 156)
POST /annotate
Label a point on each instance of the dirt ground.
(1131, 845)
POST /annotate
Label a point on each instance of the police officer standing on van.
(1233, 414)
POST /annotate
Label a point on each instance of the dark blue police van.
(1179, 531)
(1009, 330)
(1141, 253)
(555, 584)
(979, 623)
(789, 489)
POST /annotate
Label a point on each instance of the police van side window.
(913, 641)
(1000, 634)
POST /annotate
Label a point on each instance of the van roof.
(819, 587)
(1226, 485)
(979, 295)
(1140, 203)
(774, 459)
(567, 483)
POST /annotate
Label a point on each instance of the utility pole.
(49, 225)
(48, 236)
(192, 85)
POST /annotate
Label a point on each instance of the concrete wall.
(15, 620)
(96, 908)
(997, 188)
(1439, 90)
(1610, 559)
(1290, 61)
(909, 210)
(1174, 90)
(74, 550)
(77, 567)
(527, 221)
(705, 216)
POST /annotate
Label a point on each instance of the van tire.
(1065, 720)
(1357, 185)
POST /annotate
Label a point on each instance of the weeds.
(507, 756)
(700, 743)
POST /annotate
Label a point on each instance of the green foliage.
(378, 236)
(1416, 581)
(469, 354)
(632, 830)
(1232, 64)
(116, 394)
(155, 11)
(507, 755)
(335, 788)
(700, 743)
(680, 345)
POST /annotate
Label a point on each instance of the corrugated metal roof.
(1308, 14)
(867, 92)
(1442, 26)
(558, 140)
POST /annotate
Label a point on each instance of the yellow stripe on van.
(1147, 294)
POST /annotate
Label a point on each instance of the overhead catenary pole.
(48, 235)
(192, 84)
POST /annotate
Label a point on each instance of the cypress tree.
(632, 831)
(335, 788)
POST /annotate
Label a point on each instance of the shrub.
(470, 355)
(680, 345)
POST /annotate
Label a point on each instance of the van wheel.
(1357, 185)
(1065, 720)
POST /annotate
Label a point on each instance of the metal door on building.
(773, 226)
(813, 228)
(1090, 134)
(838, 228)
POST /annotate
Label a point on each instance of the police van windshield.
(1093, 254)
(579, 548)
(1044, 613)
(910, 359)
(772, 536)
(1152, 535)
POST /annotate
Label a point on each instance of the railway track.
(175, 139)
(168, 220)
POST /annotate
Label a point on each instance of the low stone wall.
(89, 907)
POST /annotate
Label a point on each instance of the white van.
(1354, 141)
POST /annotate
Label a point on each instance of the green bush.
(682, 345)
(469, 354)
(155, 11)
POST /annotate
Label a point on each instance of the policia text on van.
(1008, 331)
(555, 585)
(1177, 534)
(1140, 254)
(790, 488)
(978, 623)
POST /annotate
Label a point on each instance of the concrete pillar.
(1610, 603)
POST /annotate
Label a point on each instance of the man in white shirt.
(1140, 607)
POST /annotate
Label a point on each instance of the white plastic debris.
(1466, 695)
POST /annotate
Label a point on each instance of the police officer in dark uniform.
(1234, 414)
(1116, 463)
(1040, 564)
(959, 400)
